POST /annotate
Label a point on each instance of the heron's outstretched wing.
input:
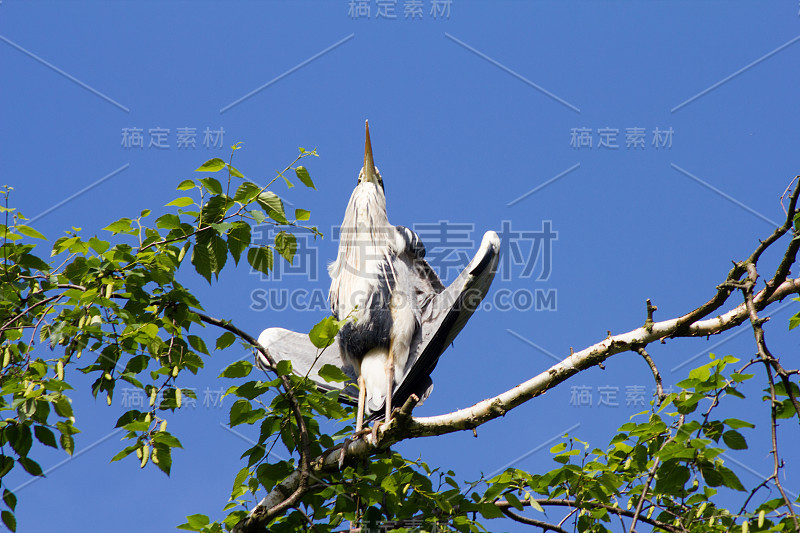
(442, 319)
(285, 345)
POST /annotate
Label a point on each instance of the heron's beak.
(369, 165)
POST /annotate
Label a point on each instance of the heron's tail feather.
(373, 368)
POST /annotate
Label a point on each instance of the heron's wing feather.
(444, 316)
(425, 281)
(428, 282)
(285, 345)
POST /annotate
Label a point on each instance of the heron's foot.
(348, 441)
(360, 433)
(375, 428)
(343, 452)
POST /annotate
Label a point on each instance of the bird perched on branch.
(381, 282)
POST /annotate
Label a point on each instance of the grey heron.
(399, 307)
(381, 282)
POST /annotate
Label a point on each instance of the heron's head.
(369, 174)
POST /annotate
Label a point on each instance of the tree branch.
(587, 504)
(288, 494)
(656, 375)
(767, 358)
(530, 521)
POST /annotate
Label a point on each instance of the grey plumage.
(380, 282)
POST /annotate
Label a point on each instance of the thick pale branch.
(578, 361)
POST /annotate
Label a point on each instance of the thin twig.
(530, 521)
(591, 504)
(654, 369)
(767, 358)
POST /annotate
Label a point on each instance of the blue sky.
(472, 115)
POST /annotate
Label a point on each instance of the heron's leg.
(362, 398)
(389, 381)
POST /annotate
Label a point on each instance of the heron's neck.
(365, 217)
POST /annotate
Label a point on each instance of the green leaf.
(332, 374)
(304, 177)
(185, 185)
(490, 510)
(210, 254)
(260, 258)
(672, 477)
(6, 464)
(98, 246)
(239, 369)
(63, 406)
(324, 333)
(243, 413)
(235, 173)
(558, 448)
(212, 165)
(514, 501)
(9, 520)
(122, 225)
(198, 344)
(31, 261)
(30, 466)
(195, 522)
(246, 192)
(730, 479)
(164, 458)
(167, 439)
(211, 184)
(273, 205)
(734, 440)
(10, 499)
(67, 443)
(238, 239)
(181, 202)
(168, 221)
(30, 232)
(286, 245)
(225, 340)
(124, 453)
(283, 368)
(536, 505)
(735, 423)
(45, 436)
(214, 210)
(19, 436)
(302, 214)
